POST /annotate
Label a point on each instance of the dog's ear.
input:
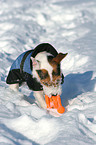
(35, 62)
(59, 57)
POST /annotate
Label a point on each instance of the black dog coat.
(21, 69)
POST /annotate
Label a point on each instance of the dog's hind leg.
(39, 96)
(14, 87)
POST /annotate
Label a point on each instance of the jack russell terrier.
(40, 69)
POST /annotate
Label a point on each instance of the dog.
(40, 69)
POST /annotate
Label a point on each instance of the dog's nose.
(54, 94)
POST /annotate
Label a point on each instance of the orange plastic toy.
(55, 103)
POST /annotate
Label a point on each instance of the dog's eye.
(56, 73)
(43, 74)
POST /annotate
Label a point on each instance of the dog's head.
(46, 69)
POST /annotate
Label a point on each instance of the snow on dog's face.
(46, 69)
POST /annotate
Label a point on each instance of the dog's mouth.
(51, 90)
(55, 83)
(54, 94)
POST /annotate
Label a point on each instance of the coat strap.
(23, 60)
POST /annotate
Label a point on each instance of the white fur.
(39, 96)
(52, 90)
(43, 64)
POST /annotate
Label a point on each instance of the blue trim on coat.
(17, 62)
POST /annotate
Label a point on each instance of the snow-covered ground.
(70, 26)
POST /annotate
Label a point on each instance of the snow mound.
(40, 131)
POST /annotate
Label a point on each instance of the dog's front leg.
(14, 87)
(39, 96)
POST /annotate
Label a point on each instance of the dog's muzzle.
(52, 91)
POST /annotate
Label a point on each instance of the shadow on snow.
(76, 84)
(16, 136)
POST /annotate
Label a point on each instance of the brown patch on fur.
(59, 57)
(44, 77)
(56, 73)
(55, 63)
(56, 80)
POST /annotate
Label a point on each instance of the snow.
(70, 26)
